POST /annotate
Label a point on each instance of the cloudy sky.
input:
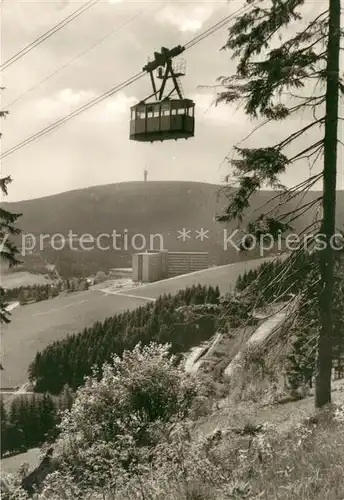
(103, 47)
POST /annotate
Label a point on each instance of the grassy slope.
(37, 325)
(23, 278)
(295, 463)
(284, 416)
(291, 459)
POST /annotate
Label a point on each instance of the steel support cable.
(51, 75)
(74, 15)
(73, 114)
(220, 24)
(117, 88)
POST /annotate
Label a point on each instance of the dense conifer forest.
(168, 320)
(70, 360)
(29, 421)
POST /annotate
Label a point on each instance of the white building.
(154, 266)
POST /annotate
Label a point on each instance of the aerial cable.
(213, 29)
(112, 91)
(48, 34)
(51, 75)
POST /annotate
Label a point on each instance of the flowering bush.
(131, 435)
(11, 487)
(118, 417)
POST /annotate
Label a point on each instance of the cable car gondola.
(165, 118)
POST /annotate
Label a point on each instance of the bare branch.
(287, 197)
(306, 207)
(302, 154)
(298, 133)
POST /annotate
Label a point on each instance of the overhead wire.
(62, 121)
(214, 28)
(74, 15)
(68, 63)
(75, 113)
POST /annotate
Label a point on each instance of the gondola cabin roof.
(162, 120)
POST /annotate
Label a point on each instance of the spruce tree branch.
(288, 269)
(315, 223)
(302, 154)
(259, 126)
(306, 103)
(295, 96)
(253, 131)
(223, 318)
(242, 93)
(304, 191)
(296, 40)
(300, 35)
(250, 43)
(306, 207)
(267, 121)
(285, 195)
(295, 210)
(297, 134)
(317, 154)
(289, 139)
(311, 180)
(318, 40)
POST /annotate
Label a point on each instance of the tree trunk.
(324, 352)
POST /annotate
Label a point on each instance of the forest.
(28, 421)
(169, 320)
(68, 361)
(36, 293)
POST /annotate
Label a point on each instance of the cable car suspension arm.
(163, 59)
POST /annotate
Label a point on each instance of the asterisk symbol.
(184, 234)
(202, 234)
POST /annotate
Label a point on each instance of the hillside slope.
(38, 325)
(147, 208)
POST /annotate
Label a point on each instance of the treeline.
(31, 420)
(37, 293)
(75, 284)
(82, 264)
(68, 361)
(32, 293)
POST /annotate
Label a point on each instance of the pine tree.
(48, 416)
(15, 434)
(273, 71)
(70, 360)
(301, 360)
(33, 429)
(4, 427)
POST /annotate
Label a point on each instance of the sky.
(74, 66)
